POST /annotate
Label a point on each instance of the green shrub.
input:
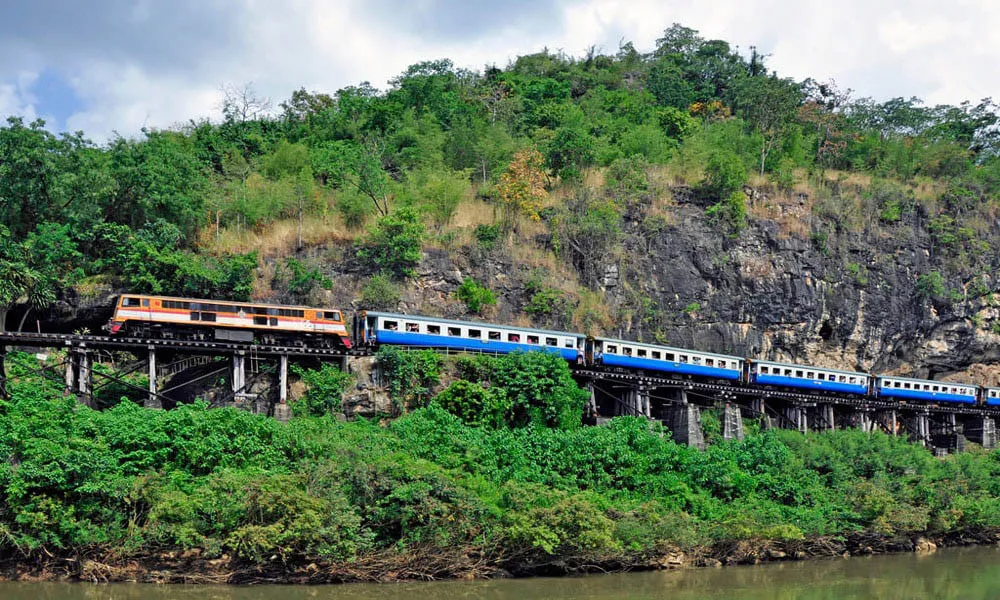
(730, 212)
(380, 293)
(394, 245)
(725, 174)
(324, 388)
(475, 296)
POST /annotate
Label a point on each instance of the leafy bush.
(380, 293)
(324, 388)
(410, 375)
(394, 245)
(730, 212)
(475, 295)
(725, 174)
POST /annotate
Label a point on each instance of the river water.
(967, 573)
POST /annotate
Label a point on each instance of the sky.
(113, 67)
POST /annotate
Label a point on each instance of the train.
(140, 315)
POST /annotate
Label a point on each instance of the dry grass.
(276, 239)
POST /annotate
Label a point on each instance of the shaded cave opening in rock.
(826, 331)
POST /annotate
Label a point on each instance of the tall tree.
(768, 105)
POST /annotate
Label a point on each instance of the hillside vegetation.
(567, 168)
(495, 475)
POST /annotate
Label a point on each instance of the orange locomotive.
(194, 319)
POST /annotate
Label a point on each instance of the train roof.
(935, 381)
(814, 367)
(672, 348)
(233, 302)
(468, 323)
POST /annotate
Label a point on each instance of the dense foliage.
(159, 213)
(132, 481)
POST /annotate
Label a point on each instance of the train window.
(798, 373)
(696, 360)
(683, 358)
(272, 320)
(709, 362)
(332, 315)
(130, 301)
(258, 320)
(434, 329)
(788, 372)
(513, 337)
(762, 369)
(641, 352)
(391, 325)
(821, 376)
(195, 315)
(208, 316)
(852, 380)
(612, 349)
(494, 335)
(934, 388)
(551, 341)
(532, 339)
(656, 355)
(568, 342)
(145, 302)
(455, 331)
(722, 364)
(895, 384)
(811, 375)
(669, 356)
(626, 351)
(226, 308)
(413, 327)
(906, 385)
(476, 334)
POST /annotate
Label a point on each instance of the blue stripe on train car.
(922, 395)
(992, 401)
(618, 360)
(811, 384)
(384, 336)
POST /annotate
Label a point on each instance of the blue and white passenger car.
(991, 396)
(377, 328)
(923, 389)
(622, 353)
(811, 378)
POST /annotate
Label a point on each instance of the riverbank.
(190, 567)
(494, 477)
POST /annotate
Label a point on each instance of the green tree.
(394, 244)
(475, 295)
(768, 105)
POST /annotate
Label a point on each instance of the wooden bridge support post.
(85, 378)
(152, 401)
(797, 417)
(281, 410)
(732, 423)
(239, 377)
(829, 418)
(590, 410)
(71, 367)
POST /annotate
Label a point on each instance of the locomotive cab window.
(475, 334)
(332, 315)
(455, 331)
(145, 302)
(129, 302)
(434, 329)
